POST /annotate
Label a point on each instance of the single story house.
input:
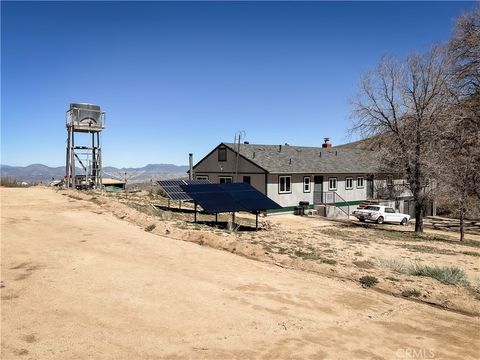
(340, 176)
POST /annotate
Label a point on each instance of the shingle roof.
(301, 159)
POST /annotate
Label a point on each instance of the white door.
(391, 215)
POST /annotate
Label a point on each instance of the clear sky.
(182, 77)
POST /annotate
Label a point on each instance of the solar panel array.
(174, 191)
(219, 198)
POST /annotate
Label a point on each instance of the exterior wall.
(211, 167)
(295, 196)
(383, 191)
(355, 195)
(256, 180)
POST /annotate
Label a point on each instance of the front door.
(318, 189)
(370, 187)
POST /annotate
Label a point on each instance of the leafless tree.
(464, 53)
(461, 122)
(399, 104)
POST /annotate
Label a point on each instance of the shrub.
(328, 261)
(394, 264)
(307, 255)
(410, 293)
(8, 182)
(368, 281)
(150, 227)
(444, 274)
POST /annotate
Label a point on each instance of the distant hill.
(40, 172)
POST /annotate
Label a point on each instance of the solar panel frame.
(175, 192)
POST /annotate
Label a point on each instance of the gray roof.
(302, 159)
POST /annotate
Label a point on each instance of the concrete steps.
(366, 203)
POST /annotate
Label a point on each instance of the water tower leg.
(99, 162)
(72, 160)
(67, 160)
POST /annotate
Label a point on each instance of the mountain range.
(42, 173)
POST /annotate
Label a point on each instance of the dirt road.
(80, 283)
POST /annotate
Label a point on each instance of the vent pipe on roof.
(336, 153)
(254, 154)
(320, 154)
(290, 161)
(190, 166)
(279, 148)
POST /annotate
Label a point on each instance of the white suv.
(381, 214)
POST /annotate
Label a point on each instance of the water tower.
(84, 124)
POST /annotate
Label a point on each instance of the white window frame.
(346, 183)
(287, 190)
(389, 180)
(226, 178)
(307, 186)
(362, 180)
(201, 177)
(330, 188)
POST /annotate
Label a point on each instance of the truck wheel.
(404, 221)
(380, 220)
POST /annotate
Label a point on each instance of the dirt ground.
(81, 278)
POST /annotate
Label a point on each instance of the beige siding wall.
(292, 198)
(354, 194)
(214, 169)
(297, 194)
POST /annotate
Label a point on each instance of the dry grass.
(444, 274)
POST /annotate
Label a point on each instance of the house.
(113, 184)
(342, 177)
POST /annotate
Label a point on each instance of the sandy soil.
(79, 282)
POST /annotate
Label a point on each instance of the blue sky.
(182, 77)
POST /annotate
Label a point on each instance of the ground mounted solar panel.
(174, 191)
(219, 198)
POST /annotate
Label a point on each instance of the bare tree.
(464, 53)
(400, 104)
(461, 125)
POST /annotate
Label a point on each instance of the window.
(224, 179)
(360, 182)
(222, 154)
(390, 180)
(389, 210)
(349, 183)
(284, 184)
(332, 183)
(201, 177)
(247, 179)
(306, 184)
(373, 208)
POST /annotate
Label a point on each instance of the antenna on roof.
(239, 135)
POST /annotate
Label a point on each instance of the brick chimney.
(327, 143)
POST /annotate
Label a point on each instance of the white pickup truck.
(381, 214)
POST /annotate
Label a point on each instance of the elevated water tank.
(85, 117)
